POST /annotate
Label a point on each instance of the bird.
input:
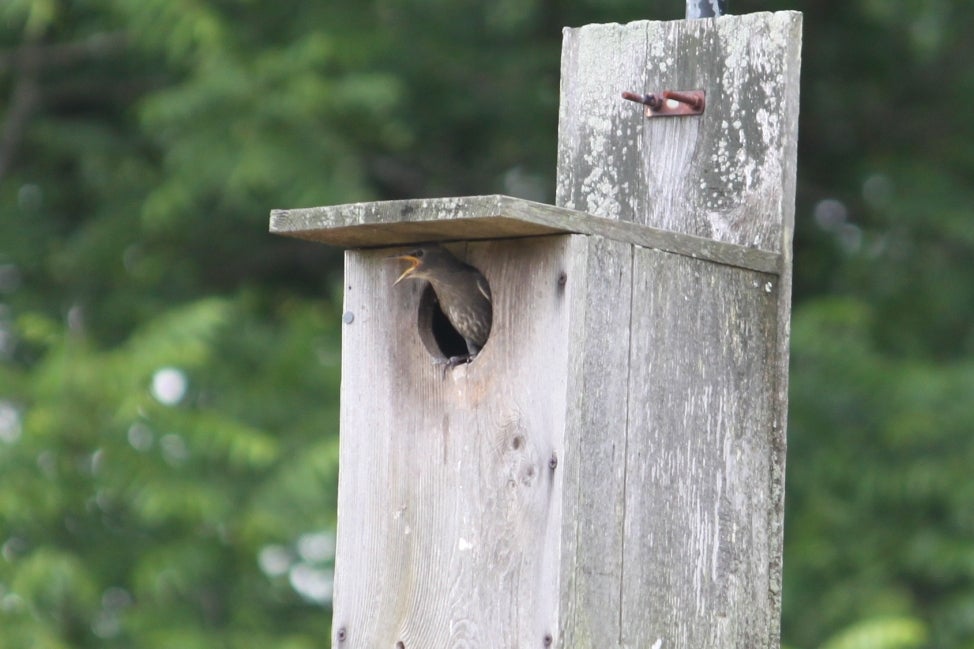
(462, 291)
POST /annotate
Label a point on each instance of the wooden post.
(684, 544)
(608, 472)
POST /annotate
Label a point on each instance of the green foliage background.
(169, 372)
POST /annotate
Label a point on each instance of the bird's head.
(422, 261)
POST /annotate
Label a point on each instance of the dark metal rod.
(706, 8)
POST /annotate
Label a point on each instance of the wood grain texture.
(698, 560)
(727, 175)
(698, 545)
(646, 376)
(449, 513)
(595, 444)
(467, 218)
(671, 521)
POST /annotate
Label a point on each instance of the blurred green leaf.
(884, 633)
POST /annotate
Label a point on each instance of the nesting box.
(609, 470)
(610, 446)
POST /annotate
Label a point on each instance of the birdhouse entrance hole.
(441, 338)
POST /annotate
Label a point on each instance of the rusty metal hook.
(671, 103)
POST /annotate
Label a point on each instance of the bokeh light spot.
(169, 385)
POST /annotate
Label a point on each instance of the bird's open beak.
(413, 265)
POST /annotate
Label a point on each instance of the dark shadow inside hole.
(442, 340)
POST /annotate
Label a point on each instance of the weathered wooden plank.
(388, 223)
(703, 496)
(727, 175)
(449, 510)
(698, 546)
(392, 223)
(595, 444)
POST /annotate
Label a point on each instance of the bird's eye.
(418, 254)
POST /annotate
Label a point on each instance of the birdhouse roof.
(404, 222)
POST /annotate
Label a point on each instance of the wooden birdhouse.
(608, 470)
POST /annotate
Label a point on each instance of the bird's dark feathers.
(462, 291)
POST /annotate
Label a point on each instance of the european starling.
(461, 289)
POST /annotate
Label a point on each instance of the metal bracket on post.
(670, 103)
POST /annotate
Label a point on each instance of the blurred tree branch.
(27, 62)
(23, 99)
(42, 55)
